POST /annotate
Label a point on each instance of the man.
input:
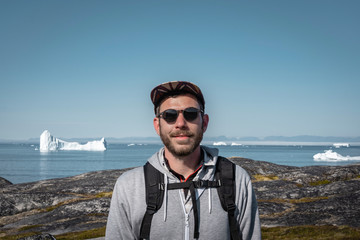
(180, 122)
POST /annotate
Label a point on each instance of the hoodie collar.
(210, 158)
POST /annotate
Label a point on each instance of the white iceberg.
(331, 156)
(236, 144)
(338, 145)
(50, 143)
(219, 144)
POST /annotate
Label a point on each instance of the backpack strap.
(225, 172)
(225, 184)
(154, 183)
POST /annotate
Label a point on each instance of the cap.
(175, 87)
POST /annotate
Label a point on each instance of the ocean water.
(21, 163)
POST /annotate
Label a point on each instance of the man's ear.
(156, 123)
(205, 122)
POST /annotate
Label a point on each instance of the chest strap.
(225, 184)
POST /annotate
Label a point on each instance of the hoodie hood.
(210, 159)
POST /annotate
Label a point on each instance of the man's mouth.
(181, 135)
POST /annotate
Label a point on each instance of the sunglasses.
(170, 115)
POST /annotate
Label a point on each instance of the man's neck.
(184, 165)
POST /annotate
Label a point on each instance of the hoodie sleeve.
(127, 206)
(248, 217)
(118, 224)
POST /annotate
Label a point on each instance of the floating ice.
(236, 144)
(50, 143)
(338, 145)
(219, 144)
(135, 144)
(331, 156)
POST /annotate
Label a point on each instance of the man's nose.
(180, 121)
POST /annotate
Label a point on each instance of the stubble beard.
(182, 150)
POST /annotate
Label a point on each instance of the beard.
(185, 148)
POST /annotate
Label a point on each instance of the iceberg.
(338, 145)
(236, 144)
(331, 156)
(219, 144)
(49, 143)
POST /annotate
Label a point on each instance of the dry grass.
(260, 178)
(311, 232)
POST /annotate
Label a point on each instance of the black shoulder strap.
(154, 197)
(225, 172)
(154, 186)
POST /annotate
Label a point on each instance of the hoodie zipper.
(187, 227)
(187, 218)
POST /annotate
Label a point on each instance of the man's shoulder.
(240, 171)
(134, 174)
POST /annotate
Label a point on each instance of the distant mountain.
(300, 138)
(308, 138)
(224, 138)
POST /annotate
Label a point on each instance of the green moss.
(285, 233)
(82, 198)
(286, 200)
(320, 182)
(259, 177)
(93, 233)
(104, 194)
(10, 236)
(97, 215)
(28, 227)
(49, 209)
(307, 199)
(17, 236)
(311, 232)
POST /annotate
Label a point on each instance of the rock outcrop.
(4, 182)
(287, 196)
(317, 195)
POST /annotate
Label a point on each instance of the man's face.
(181, 137)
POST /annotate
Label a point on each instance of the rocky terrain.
(287, 196)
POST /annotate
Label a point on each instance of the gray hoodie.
(175, 219)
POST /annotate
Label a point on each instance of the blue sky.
(86, 68)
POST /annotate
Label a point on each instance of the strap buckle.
(231, 207)
(201, 184)
(151, 208)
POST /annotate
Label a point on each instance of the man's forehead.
(180, 101)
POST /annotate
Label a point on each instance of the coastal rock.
(4, 182)
(39, 237)
(316, 195)
(287, 196)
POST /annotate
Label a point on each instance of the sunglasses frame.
(161, 115)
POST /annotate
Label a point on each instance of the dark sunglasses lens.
(170, 115)
(190, 114)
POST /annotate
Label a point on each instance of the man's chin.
(182, 148)
(182, 141)
(182, 152)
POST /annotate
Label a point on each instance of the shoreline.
(288, 197)
(4, 181)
